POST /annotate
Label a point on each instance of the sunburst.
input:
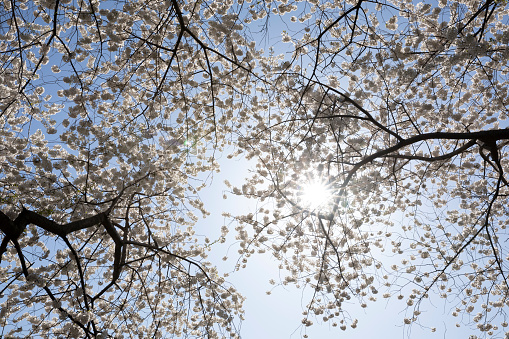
(315, 195)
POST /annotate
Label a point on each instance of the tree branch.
(497, 134)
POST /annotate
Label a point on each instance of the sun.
(315, 194)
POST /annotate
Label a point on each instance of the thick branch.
(433, 159)
(117, 265)
(492, 135)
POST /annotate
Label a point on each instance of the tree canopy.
(112, 114)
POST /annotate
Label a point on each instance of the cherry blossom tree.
(396, 110)
(111, 115)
